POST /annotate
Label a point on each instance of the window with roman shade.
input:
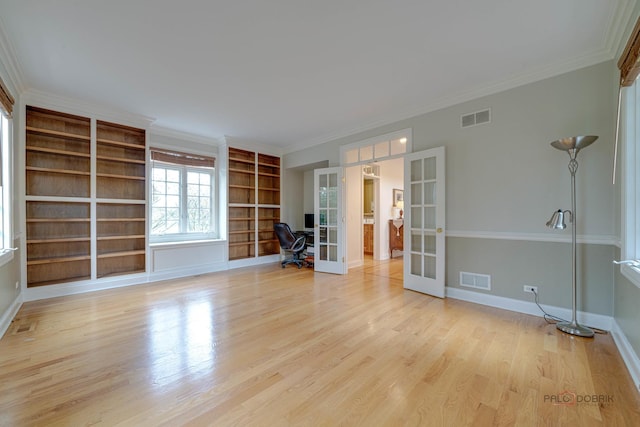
(182, 196)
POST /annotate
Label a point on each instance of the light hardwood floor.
(267, 346)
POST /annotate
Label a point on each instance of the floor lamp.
(571, 145)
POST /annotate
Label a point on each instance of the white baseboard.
(250, 262)
(599, 321)
(356, 263)
(627, 352)
(7, 318)
(82, 286)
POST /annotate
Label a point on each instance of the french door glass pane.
(429, 193)
(323, 217)
(430, 242)
(416, 217)
(333, 217)
(416, 170)
(333, 198)
(333, 253)
(430, 217)
(416, 193)
(416, 264)
(416, 241)
(430, 168)
(333, 181)
(333, 235)
(430, 266)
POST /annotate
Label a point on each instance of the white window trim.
(630, 131)
(185, 236)
(6, 253)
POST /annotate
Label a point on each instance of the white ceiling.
(292, 72)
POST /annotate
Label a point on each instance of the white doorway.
(372, 214)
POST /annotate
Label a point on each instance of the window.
(630, 131)
(6, 253)
(382, 147)
(182, 196)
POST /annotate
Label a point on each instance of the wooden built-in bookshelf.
(58, 242)
(60, 199)
(254, 203)
(120, 238)
(57, 154)
(120, 162)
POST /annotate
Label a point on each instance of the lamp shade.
(557, 221)
(574, 143)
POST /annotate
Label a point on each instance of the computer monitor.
(308, 221)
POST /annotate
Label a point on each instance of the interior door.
(329, 221)
(424, 223)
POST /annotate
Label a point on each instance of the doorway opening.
(371, 212)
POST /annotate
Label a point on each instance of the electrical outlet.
(531, 289)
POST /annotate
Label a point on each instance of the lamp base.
(575, 329)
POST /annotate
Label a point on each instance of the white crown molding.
(186, 136)
(620, 22)
(591, 239)
(231, 141)
(83, 108)
(536, 75)
(9, 60)
(615, 31)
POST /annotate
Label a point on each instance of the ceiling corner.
(9, 60)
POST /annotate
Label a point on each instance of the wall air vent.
(475, 280)
(477, 118)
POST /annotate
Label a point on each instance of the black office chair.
(290, 244)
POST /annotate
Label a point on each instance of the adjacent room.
(284, 213)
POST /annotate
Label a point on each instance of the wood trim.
(185, 159)
(629, 62)
(6, 100)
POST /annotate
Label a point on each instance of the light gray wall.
(547, 265)
(505, 178)
(292, 198)
(308, 191)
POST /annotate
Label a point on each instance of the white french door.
(424, 223)
(329, 221)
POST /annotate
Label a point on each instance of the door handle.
(439, 230)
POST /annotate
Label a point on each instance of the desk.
(396, 239)
(308, 243)
(307, 234)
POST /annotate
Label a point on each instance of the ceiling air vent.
(475, 280)
(477, 118)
